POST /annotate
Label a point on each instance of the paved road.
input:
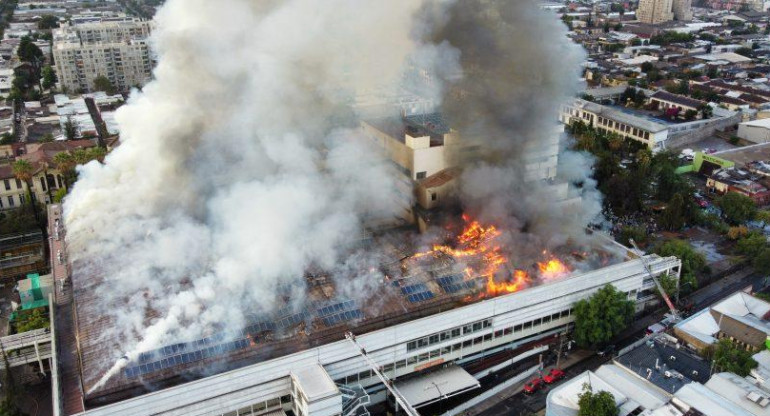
(524, 405)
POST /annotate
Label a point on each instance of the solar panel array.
(259, 327)
(415, 288)
(183, 354)
(213, 346)
(417, 292)
(339, 312)
(456, 283)
(291, 320)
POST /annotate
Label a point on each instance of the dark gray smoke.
(517, 67)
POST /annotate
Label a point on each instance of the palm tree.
(47, 184)
(23, 170)
(97, 153)
(65, 163)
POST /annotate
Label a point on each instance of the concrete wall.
(698, 130)
(754, 134)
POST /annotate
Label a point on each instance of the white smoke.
(241, 165)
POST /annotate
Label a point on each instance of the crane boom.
(408, 409)
(674, 311)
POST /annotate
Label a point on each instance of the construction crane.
(400, 400)
(671, 307)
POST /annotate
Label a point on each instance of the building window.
(7, 184)
(18, 184)
(433, 196)
(422, 175)
(10, 200)
(42, 183)
(21, 198)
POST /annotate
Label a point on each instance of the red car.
(554, 375)
(534, 385)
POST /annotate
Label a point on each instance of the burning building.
(454, 302)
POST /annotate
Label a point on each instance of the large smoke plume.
(241, 166)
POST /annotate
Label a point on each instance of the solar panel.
(343, 317)
(339, 312)
(419, 287)
(456, 283)
(419, 297)
(185, 355)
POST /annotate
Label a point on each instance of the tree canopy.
(731, 358)
(693, 263)
(22, 170)
(102, 83)
(48, 21)
(49, 77)
(601, 317)
(737, 208)
(601, 403)
(71, 128)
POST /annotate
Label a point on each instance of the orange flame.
(553, 268)
(477, 241)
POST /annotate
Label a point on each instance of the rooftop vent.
(759, 399)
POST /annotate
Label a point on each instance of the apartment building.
(655, 11)
(660, 11)
(117, 50)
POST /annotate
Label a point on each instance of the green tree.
(29, 52)
(747, 52)
(737, 208)
(23, 171)
(751, 245)
(47, 138)
(601, 317)
(49, 77)
(97, 153)
(668, 283)
(48, 21)
(102, 83)
(763, 216)
(638, 234)
(601, 403)
(693, 263)
(71, 128)
(761, 262)
(65, 163)
(58, 197)
(672, 218)
(731, 358)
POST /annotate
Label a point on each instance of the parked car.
(553, 376)
(534, 385)
(700, 200)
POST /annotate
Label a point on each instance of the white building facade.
(607, 120)
(116, 50)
